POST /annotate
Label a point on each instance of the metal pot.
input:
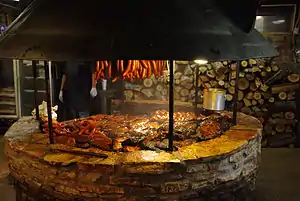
(214, 99)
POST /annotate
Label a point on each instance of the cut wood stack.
(261, 84)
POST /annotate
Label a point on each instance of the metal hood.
(149, 29)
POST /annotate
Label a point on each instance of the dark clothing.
(78, 85)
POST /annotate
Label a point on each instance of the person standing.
(77, 85)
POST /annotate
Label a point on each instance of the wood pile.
(156, 88)
(262, 86)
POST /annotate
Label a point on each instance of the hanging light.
(201, 61)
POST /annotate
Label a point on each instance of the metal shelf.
(8, 116)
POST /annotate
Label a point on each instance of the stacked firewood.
(157, 88)
(263, 85)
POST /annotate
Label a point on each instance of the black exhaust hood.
(149, 29)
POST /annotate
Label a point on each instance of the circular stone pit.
(223, 168)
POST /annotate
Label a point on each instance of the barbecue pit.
(223, 168)
(220, 163)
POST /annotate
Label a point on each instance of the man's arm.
(94, 80)
(63, 80)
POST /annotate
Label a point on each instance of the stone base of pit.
(223, 168)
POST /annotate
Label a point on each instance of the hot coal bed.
(123, 157)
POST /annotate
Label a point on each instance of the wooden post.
(171, 106)
(37, 111)
(49, 107)
(235, 98)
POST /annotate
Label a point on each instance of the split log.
(176, 95)
(252, 62)
(202, 69)
(208, 85)
(204, 78)
(253, 87)
(229, 97)
(242, 74)
(289, 115)
(249, 95)
(284, 88)
(209, 66)
(261, 101)
(263, 74)
(232, 82)
(158, 95)
(231, 89)
(184, 92)
(159, 87)
(225, 63)
(255, 69)
(280, 128)
(192, 94)
(264, 87)
(177, 75)
(233, 66)
(258, 82)
(256, 109)
(221, 83)
(240, 95)
(183, 99)
(282, 95)
(243, 83)
(271, 100)
(232, 75)
(213, 83)
(244, 64)
(153, 78)
(128, 94)
(268, 69)
(275, 68)
(211, 74)
(257, 95)
(177, 89)
(188, 86)
(254, 102)
(220, 77)
(247, 102)
(188, 71)
(250, 76)
(226, 85)
(164, 92)
(293, 78)
(147, 92)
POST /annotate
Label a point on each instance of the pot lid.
(169, 29)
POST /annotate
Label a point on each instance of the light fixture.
(201, 61)
(259, 17)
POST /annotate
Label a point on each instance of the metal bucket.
(214, 99)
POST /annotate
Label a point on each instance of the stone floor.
(279, 177)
